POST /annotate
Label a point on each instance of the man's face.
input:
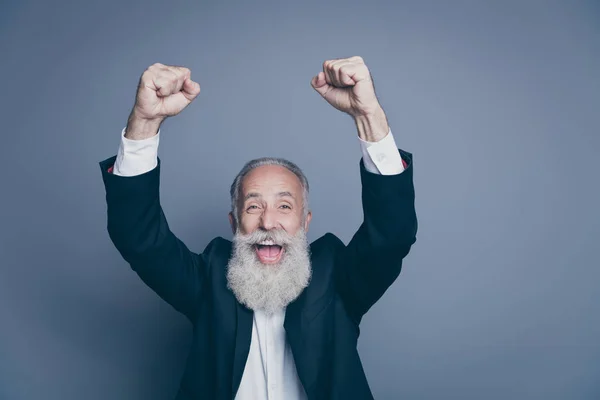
(271, 199)
(270, 275)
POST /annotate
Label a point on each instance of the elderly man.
(274, 317)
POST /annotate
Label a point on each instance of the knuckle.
(146, 76)
(180, 70)
(171, 75)
(180, 75)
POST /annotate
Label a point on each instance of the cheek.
(292, 223)
(248, 223)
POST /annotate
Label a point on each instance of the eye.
(253, 205)
(285, 205)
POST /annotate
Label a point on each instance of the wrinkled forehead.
(270, 180)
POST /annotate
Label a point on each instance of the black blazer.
(322, 324)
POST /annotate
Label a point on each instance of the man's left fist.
(346, 84)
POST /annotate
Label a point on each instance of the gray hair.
(236, 186)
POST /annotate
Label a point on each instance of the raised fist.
(164, 91)
(346, 84)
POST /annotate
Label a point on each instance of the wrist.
(141, 128)
(372, 127)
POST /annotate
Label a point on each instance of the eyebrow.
(258, 195)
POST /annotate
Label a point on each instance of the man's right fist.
(164, 91)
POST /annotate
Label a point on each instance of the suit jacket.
(322, 324)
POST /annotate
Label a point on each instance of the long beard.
(269, 287)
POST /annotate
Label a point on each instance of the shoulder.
(327, 240)
(217, 248)
(325, 246)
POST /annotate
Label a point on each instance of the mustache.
(278, 236)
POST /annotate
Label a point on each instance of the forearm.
(372, 128)
(136, 157)
(138, 149)
(140, 128)
(380, 152)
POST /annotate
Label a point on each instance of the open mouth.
(269, 254)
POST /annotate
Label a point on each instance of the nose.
(268, 219)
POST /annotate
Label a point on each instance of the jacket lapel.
(293, 325)
(242, 344)
(309, 343)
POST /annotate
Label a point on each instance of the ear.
(307, 222)
(231, 222)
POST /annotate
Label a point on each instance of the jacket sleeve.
(139, 230)
(372, 260)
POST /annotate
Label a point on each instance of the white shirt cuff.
(136, 157)
(382, 157)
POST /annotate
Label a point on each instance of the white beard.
(269, 287)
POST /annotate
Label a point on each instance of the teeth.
(267, 242)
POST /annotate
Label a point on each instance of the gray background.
(497, 101)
